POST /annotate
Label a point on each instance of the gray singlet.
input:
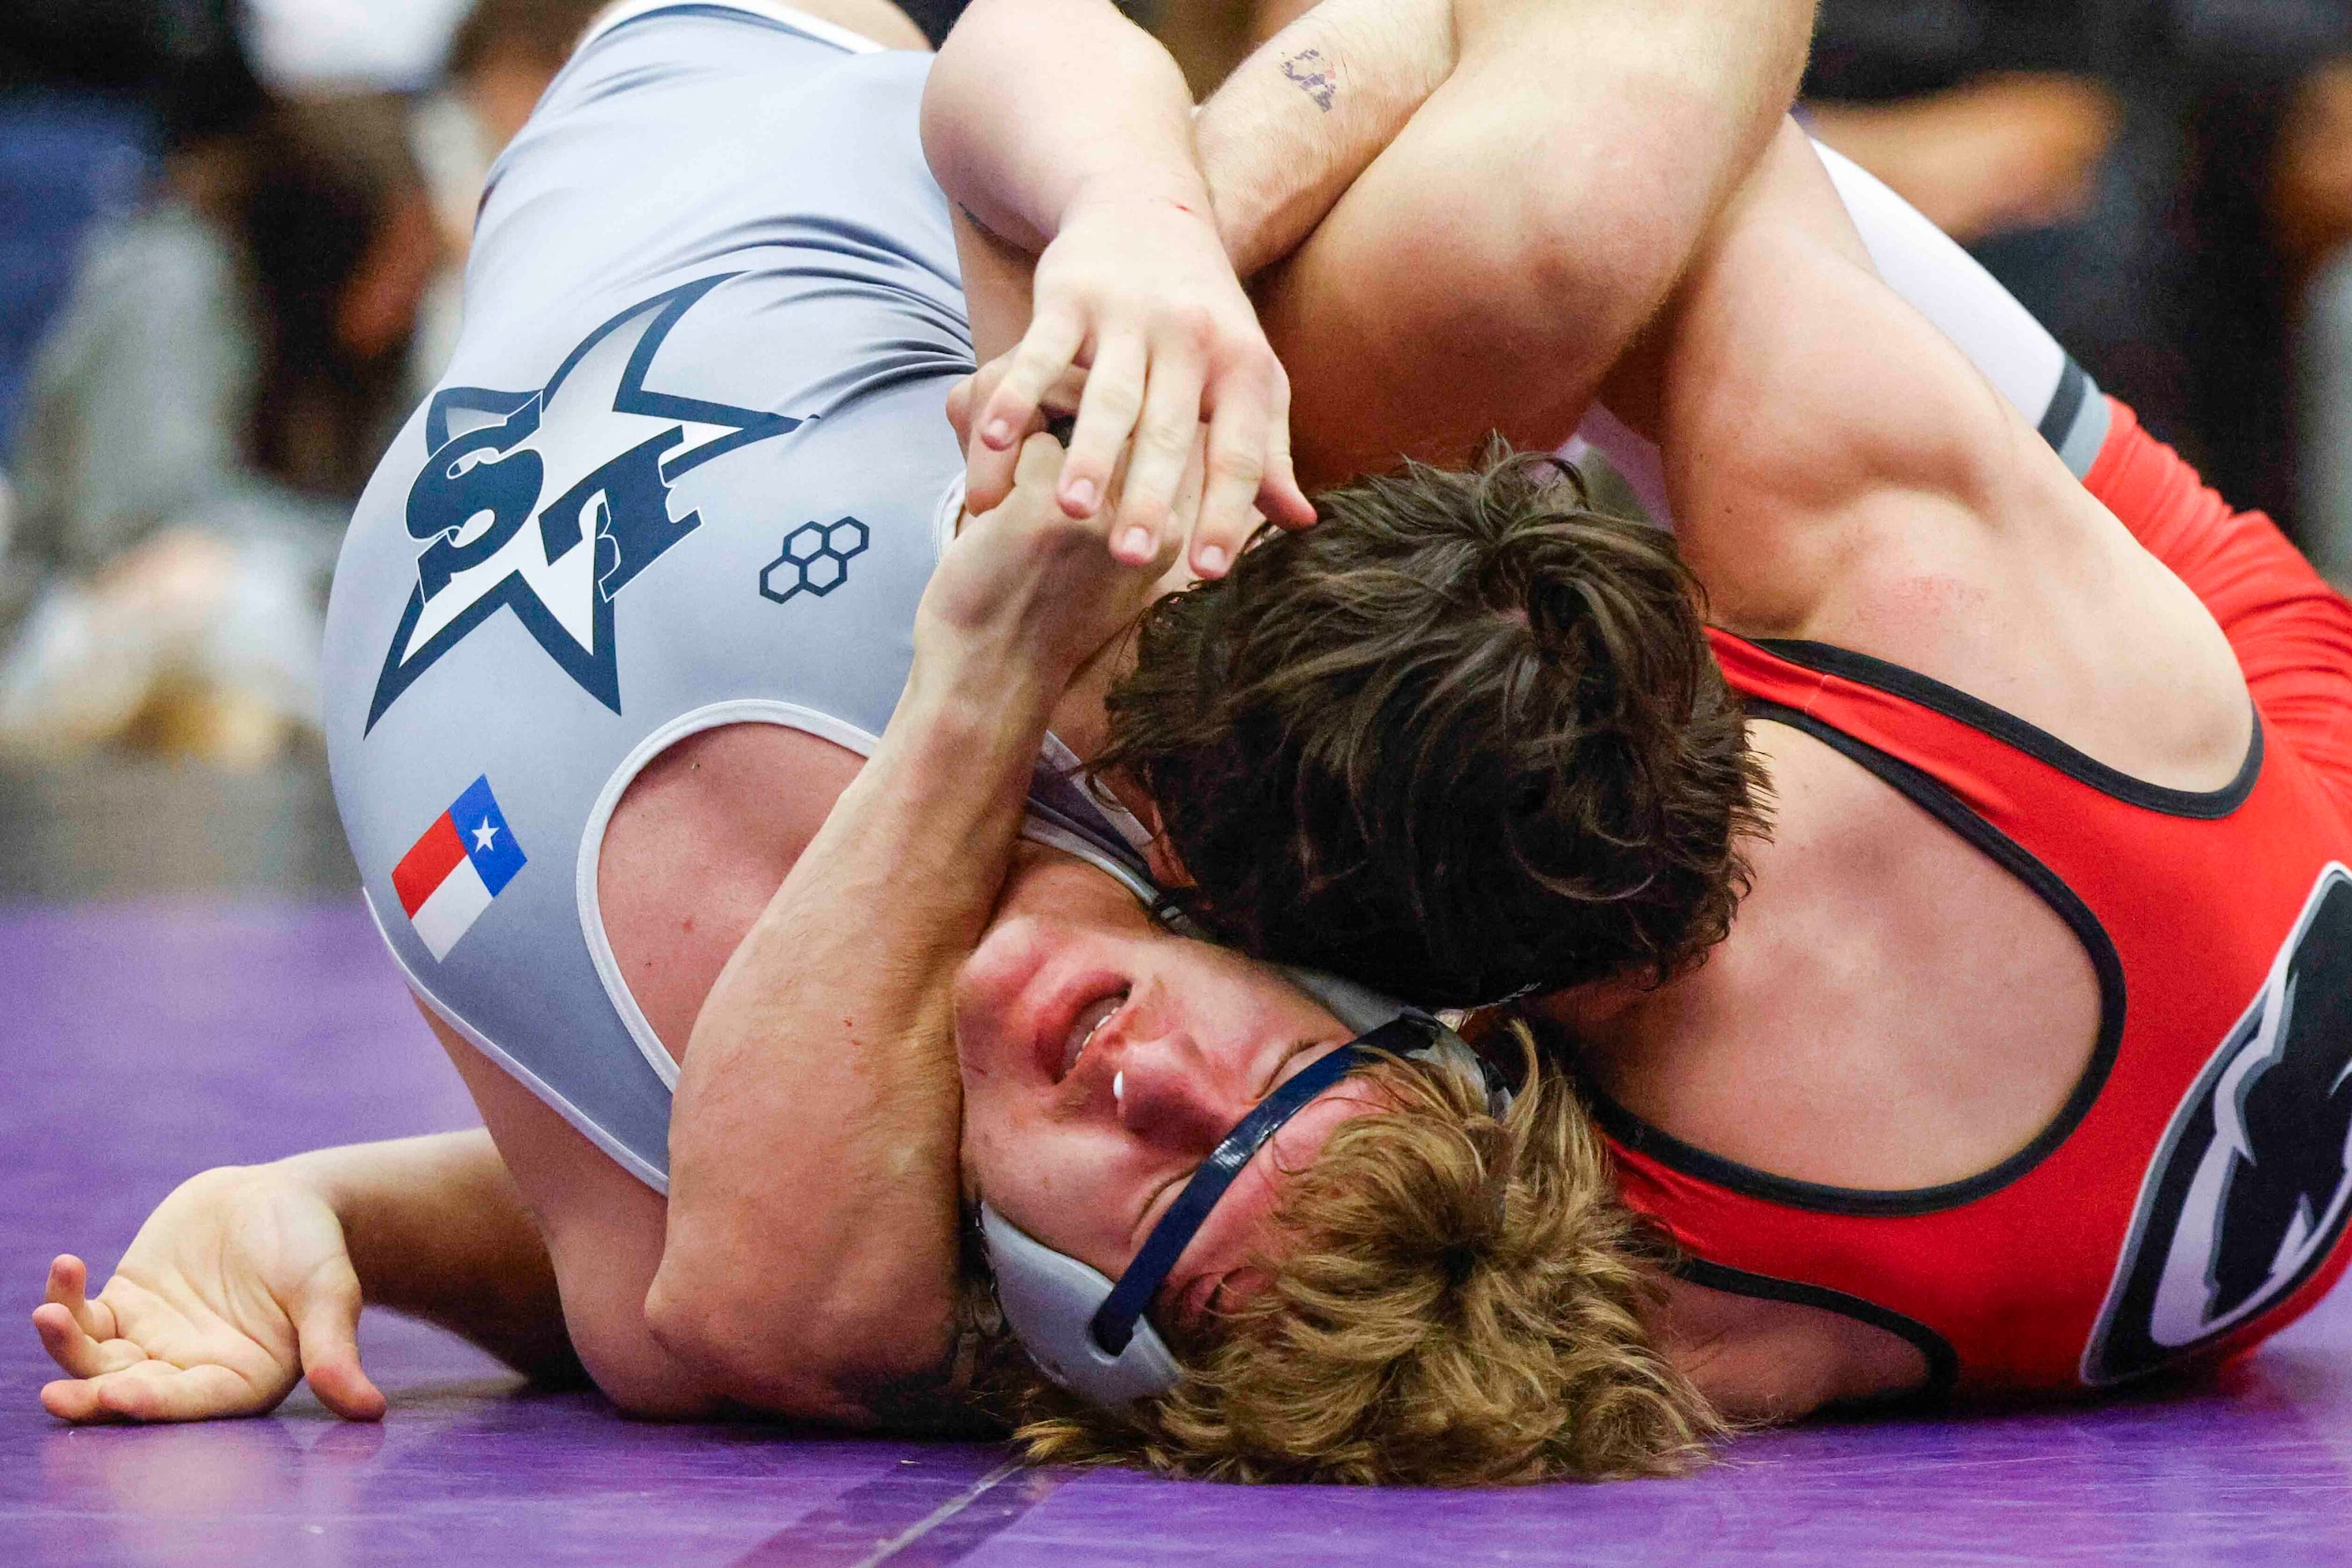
(689, 467)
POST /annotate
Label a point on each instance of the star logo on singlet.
(548, 504)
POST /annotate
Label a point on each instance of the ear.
(1167, 869)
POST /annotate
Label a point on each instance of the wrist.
(985, 706)
(1179, 188)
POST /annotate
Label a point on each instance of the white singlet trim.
(514, 1069)
(742, 710)
(816, 28)
(948, 521)
(1122, 820)
(1945, 284)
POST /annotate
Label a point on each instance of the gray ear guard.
(1088, 1333)
(1049, 1300)
(1364, 1010)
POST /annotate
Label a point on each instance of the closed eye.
(1157, 1201)
(1288, 1063)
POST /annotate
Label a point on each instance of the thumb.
(328, 1331)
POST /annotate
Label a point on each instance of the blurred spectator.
(321, 47)
(89, 91)
(219, 384)
(231, 363)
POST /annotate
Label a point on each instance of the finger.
(158, 1391)
(1163, 445)
(75, 1400)
(1236, 462)
(77, 1354)
(963, 398)
(69, 1287)
(1047, 350)
(1107, 415)
(1041, 459)
(1279, 496)
(987, 473)
(328, 1330)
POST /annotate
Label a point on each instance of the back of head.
(1452, 1298)
(1461, 739)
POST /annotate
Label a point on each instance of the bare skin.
(1844, 476)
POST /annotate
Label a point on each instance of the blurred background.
(231, 235)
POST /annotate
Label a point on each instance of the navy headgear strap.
(1114, 1322)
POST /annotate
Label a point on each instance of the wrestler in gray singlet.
(689, 467)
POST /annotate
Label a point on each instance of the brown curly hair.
(1454, 1300)
(1462, 740)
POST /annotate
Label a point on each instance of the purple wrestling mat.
(143, 1042)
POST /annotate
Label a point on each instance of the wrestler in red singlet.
(2191, 1197)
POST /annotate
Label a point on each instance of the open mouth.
(1085, 1026)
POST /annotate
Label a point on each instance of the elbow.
(758, 1350)
(705, 1321)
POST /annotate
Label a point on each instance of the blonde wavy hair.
(1454, 1300)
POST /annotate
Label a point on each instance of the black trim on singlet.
(1939, 801)
(1943, 1361)
(2201, 806)
(2058, 420)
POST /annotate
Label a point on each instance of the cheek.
(985, 989)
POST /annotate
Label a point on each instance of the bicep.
(1803, 407)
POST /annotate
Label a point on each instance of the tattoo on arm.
(1315, 75)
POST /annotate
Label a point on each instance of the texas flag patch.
(449, 877)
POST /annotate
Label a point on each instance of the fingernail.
(1135, 542)
(1212, 561)
(1081, 494)
(999, 433)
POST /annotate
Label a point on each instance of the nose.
(1169, 1091)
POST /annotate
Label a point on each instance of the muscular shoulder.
(1844, 474)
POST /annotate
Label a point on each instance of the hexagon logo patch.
(815, 560)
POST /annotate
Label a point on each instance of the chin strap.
(1114, 1322)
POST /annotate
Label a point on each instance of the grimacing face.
(1103, 1059)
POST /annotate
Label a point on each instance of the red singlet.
(2191, 1197)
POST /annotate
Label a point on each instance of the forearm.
(1036, 105)
(814, 1175)
(437, 1230)
(1307, 112)
(1489, 266)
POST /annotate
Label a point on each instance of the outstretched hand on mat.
(1140, 325)
(239, 1286)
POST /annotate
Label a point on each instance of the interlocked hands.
(1142, 327)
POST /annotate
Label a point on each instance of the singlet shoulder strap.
(1810, 676)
